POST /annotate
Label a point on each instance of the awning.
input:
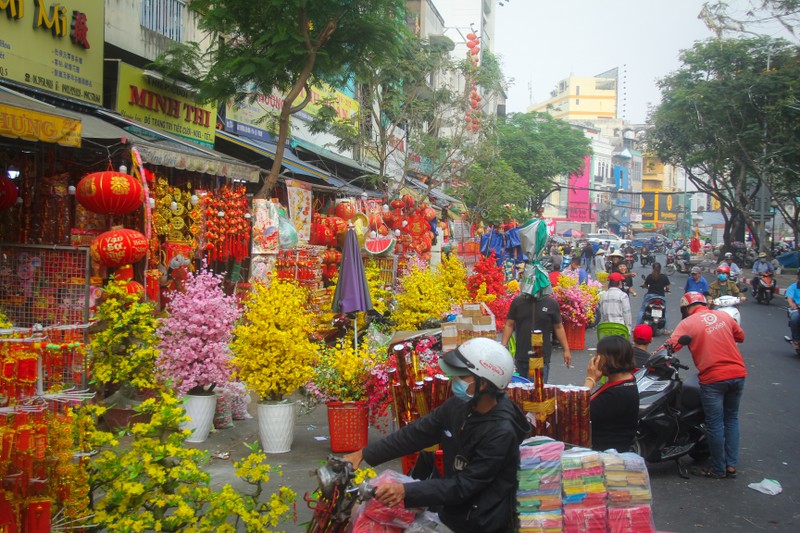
(22, 117)
(167, 150)
(327, 155)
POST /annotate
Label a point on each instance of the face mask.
(722, 277)
(459, 387)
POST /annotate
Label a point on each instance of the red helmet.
(693, 298)
(724, 269)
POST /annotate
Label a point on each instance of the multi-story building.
(581, 98)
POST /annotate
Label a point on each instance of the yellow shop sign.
(164, 106)
(19, 123)
(54, 46)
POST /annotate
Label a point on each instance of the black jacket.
(481, 458)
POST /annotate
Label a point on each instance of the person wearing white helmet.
(479, 431)
(728, 262)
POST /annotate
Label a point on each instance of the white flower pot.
(200, 409)
(276, 426)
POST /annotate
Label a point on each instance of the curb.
(781, 291)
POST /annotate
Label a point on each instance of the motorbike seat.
(690, 396)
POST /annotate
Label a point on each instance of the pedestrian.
(575, 268)
(555, 274)
(642, 337)
(656, 284)
(722, 376)
(615, 306)
(600, 261)
(520, 322)
(616, 259)
(479, 430)
(696, 282)
(555, 257)
(627, 282)
(588, 257)
(614, 407)
(723, 286)
(793, 299)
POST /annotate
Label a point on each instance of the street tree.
(722, 19)
(539, 149)
(723, 118)
(283, 45)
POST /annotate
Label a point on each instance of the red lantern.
(110, 193)
(471, 36)
(134, 287)
(398, 204)
(388, 217)
(118, 247)
(8, 193)
(345, 210)
(429, 214)
(375, 220)
(409, 201)
(383, 230)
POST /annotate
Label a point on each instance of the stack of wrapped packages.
(629, 495)
(539, 492)
(581, 490)
(584, 491)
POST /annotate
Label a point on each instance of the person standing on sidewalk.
(714, 349)
(793, 299)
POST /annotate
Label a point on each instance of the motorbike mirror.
(685, 340)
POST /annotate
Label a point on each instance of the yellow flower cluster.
(512, 286)
(381, 296)
(4, 321)
(341, 371)
(157, 484)
(423, 297)
(125, 349)
(272, 352)
(453, 277)
(481, 296)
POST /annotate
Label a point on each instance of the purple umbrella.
(352, 291)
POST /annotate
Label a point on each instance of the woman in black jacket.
(479, 431)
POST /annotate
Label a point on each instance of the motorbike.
(654, 314)
(730, 305)
(669, 263)
(766, 287)
(647, 258)
(787, 338)
(671, 418)
(684, 266)
(335, 497)
(743, 287)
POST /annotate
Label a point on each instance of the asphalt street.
(770, 436)
(770, 432)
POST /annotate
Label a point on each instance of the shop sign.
(578, 201)
(164, 106)
(19, 123)
(648, 207)
(54, 46)
(250, 119)
(667, 207)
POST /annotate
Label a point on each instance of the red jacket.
(714, 351)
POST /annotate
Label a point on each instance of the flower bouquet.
(578, 303)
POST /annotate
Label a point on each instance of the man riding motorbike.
(723, 286)
(762, 266)
(793, 299)
(479, 430)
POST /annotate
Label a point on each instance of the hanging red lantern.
(345, 210)
(429, 213)
(471, 36)
(110, 193)
(118, 247)
(375, 220)
(388, 217)
(8, 193)
(383, 230)
(409, 201)
(398, 204)
(134, 287)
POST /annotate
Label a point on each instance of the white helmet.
(480, 357)
(728, 255)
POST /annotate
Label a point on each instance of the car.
(606, 236)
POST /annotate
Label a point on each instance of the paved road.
(770, 437)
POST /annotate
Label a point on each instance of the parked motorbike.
(730, 305)
(654, 314)
(765, 289)
(335, 497)
(671, 418)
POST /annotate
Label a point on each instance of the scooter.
(654, 312)
(765, 288)
(671, 418)
(669, 266)
(335, 497)
(647, 258)
(730, 305)
(787, 338)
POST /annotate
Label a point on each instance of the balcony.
(164, 17)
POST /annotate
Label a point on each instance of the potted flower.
(122, 351)
(273, 354)
(578, 302)
(341, 375)
(194, 353)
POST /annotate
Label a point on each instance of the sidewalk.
(297, 466)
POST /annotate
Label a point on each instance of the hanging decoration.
(118, 247)
(8, 193)
(110, 193)
(299, 194)
(473, 114)
(227, 224)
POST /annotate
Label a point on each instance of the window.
(577, 101)
(577, 90)
(164, 17)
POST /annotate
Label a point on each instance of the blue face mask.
(459, 387)
(722, 277)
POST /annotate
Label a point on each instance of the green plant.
(158, 484)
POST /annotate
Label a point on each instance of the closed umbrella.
(352, 291)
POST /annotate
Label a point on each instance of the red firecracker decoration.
(8, 193)
(118, 247)
(110, 193)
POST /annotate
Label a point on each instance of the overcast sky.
(542, 42)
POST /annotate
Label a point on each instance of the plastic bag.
(767, 486)
(627, 480)
(372, 514)
(539, 475)
(240, 400)
(287, 232)
(634, 519)
(428, 522)
(223, 416)
(582, 480)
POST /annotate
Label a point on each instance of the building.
(581, 98)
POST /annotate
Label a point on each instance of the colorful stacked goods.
(628, 493)
(539, 492)
(583, 485)
(585, 519)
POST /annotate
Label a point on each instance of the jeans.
(721, 406)
(647, 298)
(794, 325)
